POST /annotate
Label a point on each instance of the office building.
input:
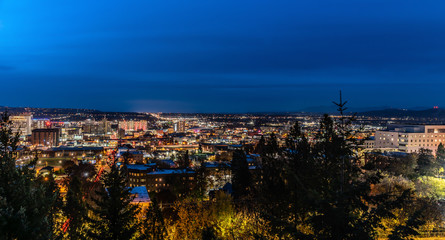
(411, 138)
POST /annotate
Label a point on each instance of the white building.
(411, 138)
(22, 124)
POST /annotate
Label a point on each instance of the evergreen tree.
(241, 179)
(201, 180)
(426, 163)
(184, 160)
(260, 146)
(319, 190)
(52, 193)
(27, 203)
(75, 210)
(440, 155)
(114, 216)
(154, 224)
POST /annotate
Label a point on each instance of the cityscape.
(212, 120)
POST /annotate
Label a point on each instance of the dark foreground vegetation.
(321, 187)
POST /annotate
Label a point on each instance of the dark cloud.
(222, 56)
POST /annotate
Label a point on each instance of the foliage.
(114, 216)
(433, 187)
(153, 227)
(426, 163)
(318, 188)
(75, 210)
(241, 179)
(216, 220)
(28, 204)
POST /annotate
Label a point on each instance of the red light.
(48, 123)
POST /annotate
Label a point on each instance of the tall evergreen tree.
(260, 146)
(27, 203)
(241, 179)
(440, 155)
(154, 224)
(201, 180)
(318, 190)
(426, 163)
(184, 160)
(114, 216)
(75, 210)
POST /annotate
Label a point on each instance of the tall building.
(47, 137)
(131, 125)
(179, 126)
(411, 138)
(22, 124)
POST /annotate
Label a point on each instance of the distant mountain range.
(13, 110)
(333, 109)
(73, 113)
(415, 112)
(426, 113)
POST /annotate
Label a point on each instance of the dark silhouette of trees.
(440, 155)
(153, 227)
(426, 163)
(241, 179)
(184, 160)
(114, 216)
(27, 202)
(75, 209)
(319, 189)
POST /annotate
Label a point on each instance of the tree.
(154, 223)
(114, 216)
(318, 189)
(200, 187)
(260, 146)
(241, 179)
(392, 164)
(27, 203)
(75, 210)
(426, 163)
(440, 156)
(184, 160)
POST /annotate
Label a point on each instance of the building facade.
(411, 138)
(22, 124)
(47, 137)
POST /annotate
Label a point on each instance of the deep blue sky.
(221, 56)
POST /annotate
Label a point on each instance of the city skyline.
(254, 56)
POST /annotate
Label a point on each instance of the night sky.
(221, 56)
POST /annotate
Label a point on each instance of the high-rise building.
(131, 125)
(179, 126)
(47, 137)
(411, 138)
(22, 123)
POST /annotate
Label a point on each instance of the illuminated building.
(179, 126)
(411, 138)
(133, 125)
(47, 137)
(22, 124)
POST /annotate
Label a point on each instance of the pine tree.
(201, 180)
(241, 178)
(114, 216)
(27, 204)
(426, 163)
(260, 146)
(184, 160)
(440, 155)
(154, 223)
(75, 210)
(319, 190)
